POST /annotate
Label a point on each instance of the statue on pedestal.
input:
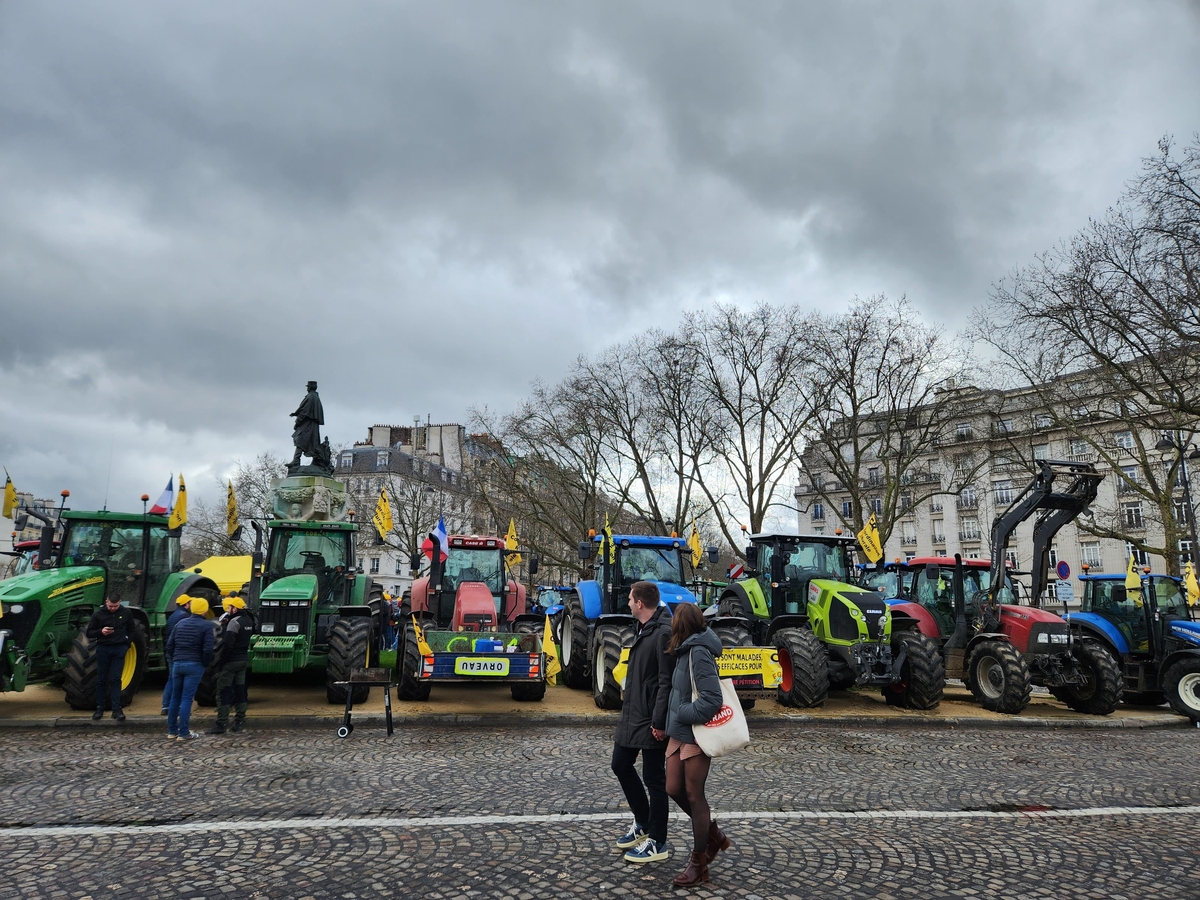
(306, 435)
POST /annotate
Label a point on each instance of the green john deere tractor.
(829, 633)
(43, 613)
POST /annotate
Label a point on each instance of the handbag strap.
(692, 674)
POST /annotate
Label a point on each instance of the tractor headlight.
(16, 609)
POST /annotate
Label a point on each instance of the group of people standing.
(671, 684)
(192, 641)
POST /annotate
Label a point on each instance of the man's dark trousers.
(110, 661)
(231, 691)
(650, 813)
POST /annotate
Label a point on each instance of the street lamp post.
(1174, 441)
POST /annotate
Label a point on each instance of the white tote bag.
(725, 732)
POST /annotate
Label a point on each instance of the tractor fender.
(590, 598)
(780, 622)
(1099, 628)
(717, 621)
(186, 585)
(531, 618)
(906, 614)
(985, 636)
(355, 610)
(736, 595)
(1176, 656)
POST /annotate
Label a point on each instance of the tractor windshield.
(815, 560)
(484, 565)
(1168, 598)
(295, 552)
(116, 546)
(887, 583)
(650, 564)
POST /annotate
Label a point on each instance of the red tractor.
(998, 648)
(472, 624)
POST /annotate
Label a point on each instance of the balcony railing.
(908, 541)
(967, 502)
(939, 539)
(1082, 457)
(935, 506)
(1095, 566)
(970, 535)
(1124, 486)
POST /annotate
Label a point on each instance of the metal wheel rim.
(601, 673)
(1189, 690)
(983, 672)
(129, 667)
(568, 627)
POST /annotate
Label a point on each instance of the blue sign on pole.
(1063, 570)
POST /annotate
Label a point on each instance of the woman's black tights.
(685, 784)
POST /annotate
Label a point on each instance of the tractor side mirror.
(414, 561)
(586, 550)
(933, 573)
(714, 555)
(752, 557)
(534, 562)
(20, 520)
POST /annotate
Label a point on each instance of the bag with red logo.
(727, 731)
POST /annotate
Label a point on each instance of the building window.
(1089, 554)
(909, 556)
(1041, 451)
(939, 531)
(962, 431)
(876, 505)
(375, 565)
(1041, 421)
(847, 511)
(347, 460)
(1129, 480)
(873, 475)
(1080, 447)
(1004, 426)
(970, 529)
(908, 535)
(1053, 557)
(1131, 513)
(381, 459)
(1181, 515)
(1140, 557)
(819, 529)
(1124, 440)
(906, 504)
(967, 498)
(818, 512)
(935, 505)
(1003, 491)
(1010, 558)
(400, 565)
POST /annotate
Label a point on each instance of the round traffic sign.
(1063, 570)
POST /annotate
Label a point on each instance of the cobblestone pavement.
(813, 812)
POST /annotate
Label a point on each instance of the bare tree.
(878, 400)
(205, 534)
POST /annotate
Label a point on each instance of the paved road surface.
(828, 811)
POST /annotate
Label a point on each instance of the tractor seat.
(469, 574)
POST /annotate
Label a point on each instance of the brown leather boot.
(717, 841)
(696, 871)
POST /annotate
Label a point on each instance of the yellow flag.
(179, 513)
(232, 524)
(510, 543)
(868, 539)
(1193, 586)
(383, 514)
(423, 648)
(606, 546)
(1133, 581)
(694, 543)
(10, 496)
(552, 664)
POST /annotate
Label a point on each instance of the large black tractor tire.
(528, 691)
(350, 641)
(606, 653)
(575, 670)
(999, 676)
(1101, 692)
(734, 634)
(375, 602)
(922, 676)
(1143, 698)
(206, 691)
(1181, 683)
(410, 686)
(79, 683)
(805, 665)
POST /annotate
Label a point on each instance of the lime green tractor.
(829, 633)
(43, 613)
(315, 609)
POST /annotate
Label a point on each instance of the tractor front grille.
(284, 618)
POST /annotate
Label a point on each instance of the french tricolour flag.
(438, 532)
(163, 505)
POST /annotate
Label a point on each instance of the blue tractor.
(1150, 632)
(596, 622)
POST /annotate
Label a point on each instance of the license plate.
(481, 665)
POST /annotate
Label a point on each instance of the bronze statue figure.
(307, 432)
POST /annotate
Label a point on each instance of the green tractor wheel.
(349, 649)
(606, 653)
(79, 683)
(923, 675)
(410, 661)
(805, 665)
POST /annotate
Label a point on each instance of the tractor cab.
(634, 558)
(470, 589)
(784, 565)
(137, 553)
(1127, 612)
(894, 580)
(323, 550)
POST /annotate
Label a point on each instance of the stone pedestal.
(309, 498)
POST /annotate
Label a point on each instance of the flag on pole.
(382, 519)
(1133, 581)
(179, 511)
(694, 543)
(868, 539)
(552, 665)
(233, 525)
(1192, 585)
(166, 500)
(608, 551)
(439, 532)
(511, 544)
(10, 496)
(422, 647)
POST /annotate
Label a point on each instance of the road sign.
(1064, 591)
(1063, 570)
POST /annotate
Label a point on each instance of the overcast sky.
(424, 206)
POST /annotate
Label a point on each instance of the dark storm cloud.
(426, 205)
